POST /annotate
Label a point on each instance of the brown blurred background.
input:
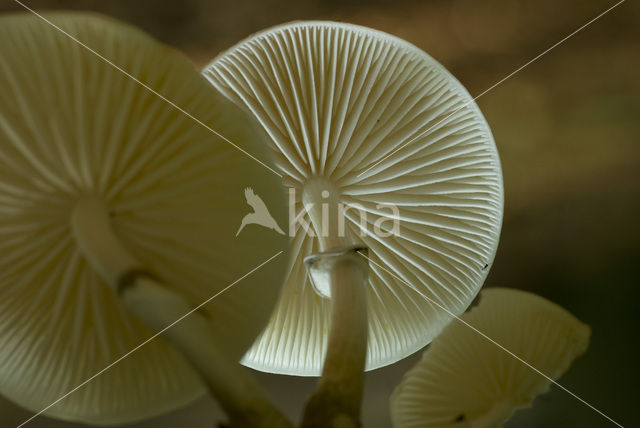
(567, 128)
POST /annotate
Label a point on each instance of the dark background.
(567, 130)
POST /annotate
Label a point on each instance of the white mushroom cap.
(73, 127)
(464, 379)
(337, 100)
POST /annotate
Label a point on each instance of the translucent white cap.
(466, 380)
(395, 136)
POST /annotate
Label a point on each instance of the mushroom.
(118, 215)
(382, 151)
(476, 373)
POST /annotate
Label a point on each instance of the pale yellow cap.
(72, 126)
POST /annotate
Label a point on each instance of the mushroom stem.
(164, 310)
(242, 398)
(337, 399)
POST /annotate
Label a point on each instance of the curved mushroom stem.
(164, 311)
(337, 399)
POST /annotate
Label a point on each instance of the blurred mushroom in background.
(118, 211)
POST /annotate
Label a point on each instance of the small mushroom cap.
(388, 128)
(463, 378)
(72, 126)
